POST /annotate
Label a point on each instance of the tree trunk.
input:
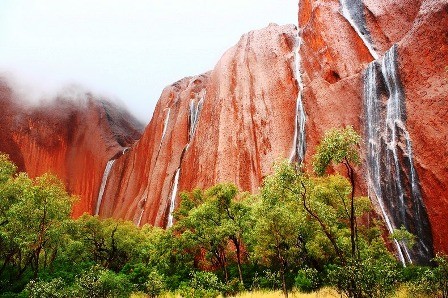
(238, 257)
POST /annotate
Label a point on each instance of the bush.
(233, 287)
(202, 284)
(366, 278)
(98, 282)
(270, 280)
(155, 284)
(307, 280)
(54, 288)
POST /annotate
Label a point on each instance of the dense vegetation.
(302, 231)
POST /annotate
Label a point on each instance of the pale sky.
(129, 50)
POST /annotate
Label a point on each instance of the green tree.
(281, 231)
(33, 213)
(341, 146)
(110, 243)
(320, 213)
(210, 220)
(155, 284)
(330, 200)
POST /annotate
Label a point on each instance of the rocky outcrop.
(140, 182)
(408, 147)
(246, 122)
(71, 138)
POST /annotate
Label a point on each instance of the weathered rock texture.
(246, 123)
(335, 57)
(71, 138)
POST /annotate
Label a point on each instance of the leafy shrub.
(54, 288)
(155, 284)
(233, 287)
(98, 282)
(202, 284)
(307, 280)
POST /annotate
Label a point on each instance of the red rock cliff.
(71, 138)
(245, 122)
(335, 57)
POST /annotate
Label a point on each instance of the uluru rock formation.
(72, 136)
(227, 125)
(379, 66)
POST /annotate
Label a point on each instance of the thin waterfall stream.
(109, 165)
(353, 12)
(195, 108)
(299, 145)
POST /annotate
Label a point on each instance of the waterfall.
(352, 10)
(109, 165)
(392, 175)
(173, 198)
(299, 145)
(139, 221)
(373, 104)
(195, 111)
(165, 125)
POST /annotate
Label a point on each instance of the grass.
(324, 293)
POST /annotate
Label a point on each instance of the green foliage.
(369, 277)
(307, 280)
(54, 288)
(431, 281)
(155, 284)
(7, 168)
(33, 215)
(403, 235)
(109, 242)
(208, 221)
(202, 284)
(99, 282)
(337, 146)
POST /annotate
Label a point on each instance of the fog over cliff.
(127, 51)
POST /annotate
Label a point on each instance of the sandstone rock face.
(140, 182)
(335, 70)
(72, 139)
(245, 123)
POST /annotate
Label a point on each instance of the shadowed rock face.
(72, 139)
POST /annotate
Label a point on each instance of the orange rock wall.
(72, 139)
(246, 123)
(335, 58)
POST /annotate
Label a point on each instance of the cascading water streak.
(139, 221)
(299, 145)
(392, 175)
(109, 165)
(195, 111)
(373, 104)
(352, 11)
(165, 124)
(173, 198)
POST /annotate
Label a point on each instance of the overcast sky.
(129, 50)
